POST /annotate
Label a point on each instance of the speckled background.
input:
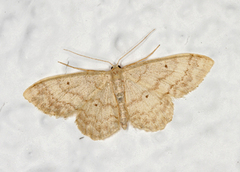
(205, 132)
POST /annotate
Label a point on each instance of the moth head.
(116, 66)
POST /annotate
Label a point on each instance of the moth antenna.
(144, 57)
(74, 67)
(89, 57)
(148, 54)
(135, 46)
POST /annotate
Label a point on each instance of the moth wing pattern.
(151, 85)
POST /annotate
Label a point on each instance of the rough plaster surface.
(205, 132)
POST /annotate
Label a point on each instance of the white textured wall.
(205, 132)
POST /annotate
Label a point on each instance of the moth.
(105, 101)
